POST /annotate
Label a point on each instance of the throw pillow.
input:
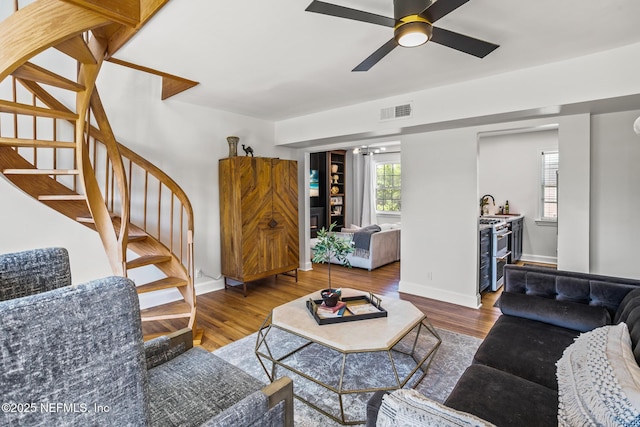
(407, 407)
(599, 380)
(566, 314)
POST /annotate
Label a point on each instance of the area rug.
(454, 355)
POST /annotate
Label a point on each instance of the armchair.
(74, 355)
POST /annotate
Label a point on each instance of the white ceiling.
(270, 59)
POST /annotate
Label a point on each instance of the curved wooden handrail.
(175, 190)
(39, 26)
(121, 179)
(163, 177)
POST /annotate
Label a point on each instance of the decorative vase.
(330, 296)
(334, 168)
(233, 145)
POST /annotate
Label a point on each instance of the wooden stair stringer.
(41, 185)
(33, 72)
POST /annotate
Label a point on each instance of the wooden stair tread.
(166, 283)
(61, 197)
(174, 310)
(78, 49)
(135, 233)
(41, 171)
(33, 72)
(136, 236)
(29, 110)
(198, 334)
(87, 219)
(148, 337)
(147, 260)
(24, 142)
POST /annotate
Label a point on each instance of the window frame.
(542, 219)
(382, 163)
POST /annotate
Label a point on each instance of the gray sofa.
(74, 355)
(514, 379)
(384, 248)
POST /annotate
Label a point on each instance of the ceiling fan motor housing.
(411, 29)
(403, 8)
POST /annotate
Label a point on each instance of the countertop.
(506, 217)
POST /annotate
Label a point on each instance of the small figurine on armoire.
(247, 150)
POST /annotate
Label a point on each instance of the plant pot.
(330, 297)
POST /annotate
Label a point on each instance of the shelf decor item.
(248, 150)
(330, 297)
(233, 145)
(361, 307)
(331, 246)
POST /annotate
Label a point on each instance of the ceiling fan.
(413, 26)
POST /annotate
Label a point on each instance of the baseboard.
(539, 258)
(203, 285)
(439, 294)
(306, 266)
(207, 284)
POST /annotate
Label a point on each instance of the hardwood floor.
(227, 316)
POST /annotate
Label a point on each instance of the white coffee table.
(346, 359)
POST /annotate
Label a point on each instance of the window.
(388, 185)
(549, 186)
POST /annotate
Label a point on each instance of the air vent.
(397, 112)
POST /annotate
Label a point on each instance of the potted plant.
(330, 246)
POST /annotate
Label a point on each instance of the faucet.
(484, 200)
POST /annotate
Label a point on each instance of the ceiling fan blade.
(376, 56)
(348, 13)
(466, 44)
(440, 8)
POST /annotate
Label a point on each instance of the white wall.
(439, 216)
(615, 200)
(185, 141)
(538, 90)
(509, 169)
(441, 205)
(29, 224)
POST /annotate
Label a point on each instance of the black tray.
(312, 306)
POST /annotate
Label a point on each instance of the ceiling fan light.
(413, 34)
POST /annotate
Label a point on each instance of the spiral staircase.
(56, 144)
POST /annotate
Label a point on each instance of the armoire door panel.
(285, 202)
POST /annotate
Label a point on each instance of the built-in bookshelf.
(337, 188)
(327, 190)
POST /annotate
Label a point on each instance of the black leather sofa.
(512, 381)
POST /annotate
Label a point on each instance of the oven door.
(501, 261)
(502, 242)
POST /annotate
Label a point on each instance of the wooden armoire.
(258, 218)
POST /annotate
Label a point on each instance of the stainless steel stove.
(499, 249)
